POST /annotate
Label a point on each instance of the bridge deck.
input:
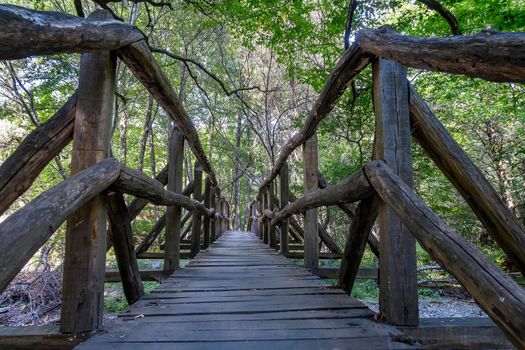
(239, 294)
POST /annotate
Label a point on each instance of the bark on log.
(25, 33)
(354, 188)
(196, 220)
(477, 191)
(347, 68)
(122, 237)
(135, 182)
(136, 206)
(495, 292)
(18, 172)
(359, 231)
(26, 230)
(141, 62)
(489, 55)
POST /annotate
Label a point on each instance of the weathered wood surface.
(27, 229)
(206, 224)
(495, 292)
(362, 222)
(310, 184)
(23, 166)
(284, 188)
(172, 233)
(25, 32)
(272, 239)
(196, 220)
(347, 68)
(86, 233)
(122, 237)
(136, 206)
(47, 337)
(489, 55)
(135, 182)
(398, 298)
(145, 275)
(459, 333)
(141, 62)
(258, 301)
(352, 189)
(477, 191)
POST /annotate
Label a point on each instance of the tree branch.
(446, 14)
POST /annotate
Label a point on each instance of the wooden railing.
(384, 192)
(96, 186)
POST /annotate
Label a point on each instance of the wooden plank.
(23, 166)
(301, 255)
(147, 275)
(265, 224)
(173, 213)
(397, 267)
(363, 221)
(85, 248)
(196, 222)
(477, 191)
(310, 179)
(333, 273)
(27, 229)
(459, 333)
(122, 236)
(495, 292)
(47, 337)
(214, 206)
(26, 33)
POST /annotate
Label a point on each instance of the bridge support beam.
(397, 265)
(85, 250)
(196, 224)
(206, 222)
(284, 187)
(174, 213)
(311, 181)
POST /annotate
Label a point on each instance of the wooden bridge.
(237, 292)
(240, 295)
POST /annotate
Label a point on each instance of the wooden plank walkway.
(240, 294)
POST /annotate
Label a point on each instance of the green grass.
(114, 299)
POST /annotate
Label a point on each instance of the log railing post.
(260, 226)
(85, 249)
(397, 265)
(196, 225)
(284, 197)
(311, 181)
(271, 204)
(213, 204)
(174, 213)
(265, 220)
(206, 223)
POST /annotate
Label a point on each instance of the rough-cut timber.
(18, 172)
(284, 187)
(272, 239)
(122, 238)
(347, 68)
(364, 218)
(488, 55)
(495, 292)
(26, 33)
(206, 227)
(468, 180)
(141, 62)
(241, 295)
(196, 222)
(311, 181)
(397, 266)
(352, 189)
(174, 213)
(135, 182)
(27, 229)
(86, 234)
